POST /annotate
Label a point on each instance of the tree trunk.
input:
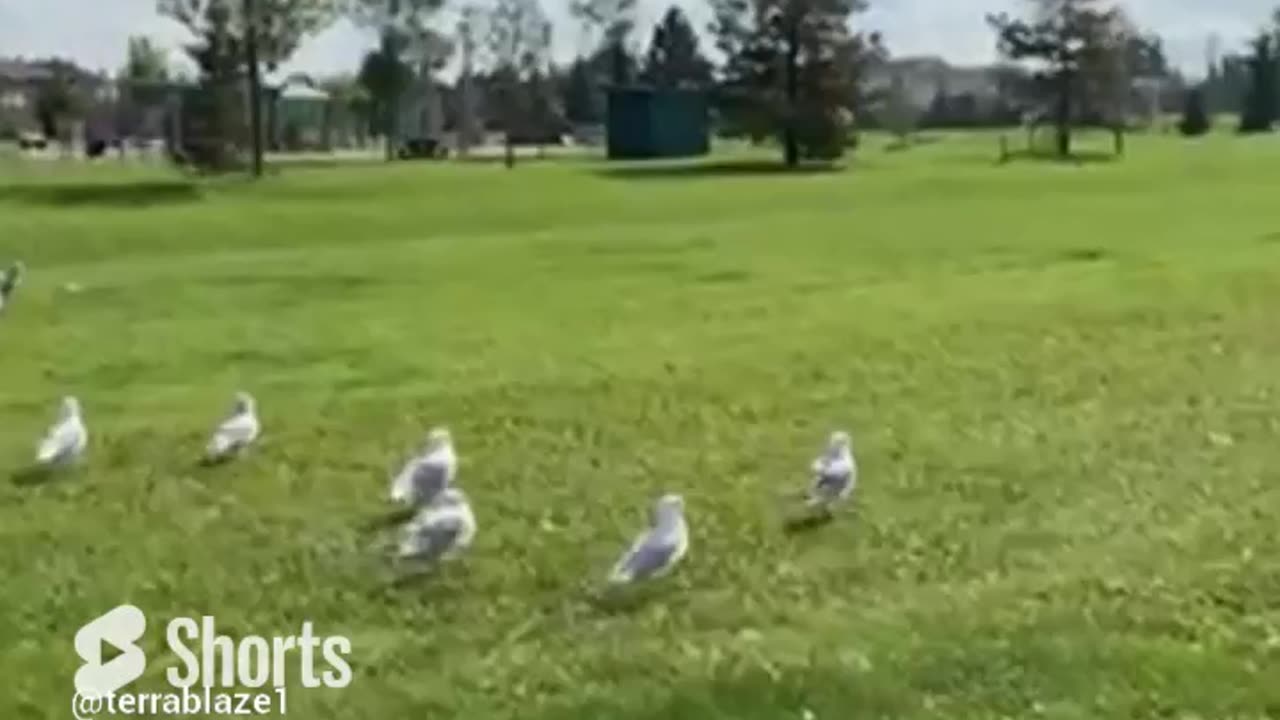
(1062, 119)
(791, 144)
(392, 125)
(255, 83)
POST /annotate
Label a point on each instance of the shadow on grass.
(1083, 254)
(436, 579)
(123, 195)
(32, 476)
(713, 170)
(900, 144)
(628, 599)
(277, 166)
(387, 520)
(807, 522)
(1087, 157)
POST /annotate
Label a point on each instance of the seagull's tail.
(219, 447)
(620, 575)
(48, 452)
(399, 491)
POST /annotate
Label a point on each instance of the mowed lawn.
(1063, 385)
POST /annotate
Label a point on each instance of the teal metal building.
(648, 123)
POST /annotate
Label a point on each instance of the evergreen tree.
(791, 69)
(1260, 101)
(1195, 118)
(581, 102)
(216, 134)
(674, 59)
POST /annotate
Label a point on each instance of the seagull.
(67, 437)
(835, 472)
(236, 432)
(657, 550)
(10, 282)
(425, 476)
(441, 530)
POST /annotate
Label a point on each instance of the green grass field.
(1063, 385)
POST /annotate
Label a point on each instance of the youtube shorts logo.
(119, 628)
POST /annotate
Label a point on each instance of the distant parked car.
(423, 149)
(32, 141)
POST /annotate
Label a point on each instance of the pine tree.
(791, 68)
(1260, 102)
(1195, 117)
(674, 59)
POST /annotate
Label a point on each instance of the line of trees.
(791, 71)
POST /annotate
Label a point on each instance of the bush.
(822, 134)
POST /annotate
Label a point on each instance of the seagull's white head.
(244, 403)
(17, 270)
(840, 441)
(70, 408)
(439, 438)
(668, 510)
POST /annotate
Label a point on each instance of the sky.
(87, 32)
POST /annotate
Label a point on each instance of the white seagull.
(66, 439)
(426, 475)
(657, 550)
(835, 472)
(236, 432)
(440, 531)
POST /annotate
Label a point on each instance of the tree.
(1072, 39)
(900, 114)
(519, 41)
(545, 114)
(608, 25)
(1260, 100)
(1195, 118)
(581, 101)
(281, 26)
(384, 75)
(791, 69)
(215, 134)
(59, 98)
(265, 33)
(674, 59)
(468, 31)
(146, 62)
(406, 40)
(350, 98)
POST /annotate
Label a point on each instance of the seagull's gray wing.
(832, 485)
(429, 541)
(427, 481)
(650, 555)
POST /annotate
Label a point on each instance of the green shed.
(645, 123)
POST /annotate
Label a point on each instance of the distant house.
(924, 78)
(297, 115)
(21, 81)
